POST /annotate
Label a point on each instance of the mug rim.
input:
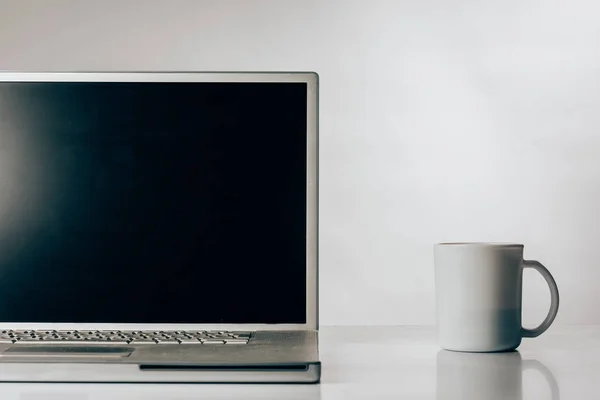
(479, 244)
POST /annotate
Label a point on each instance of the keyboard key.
(189, 340)
(164, 340)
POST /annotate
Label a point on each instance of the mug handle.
(554, 299)
(546, 373)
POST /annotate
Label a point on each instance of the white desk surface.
(392, 363)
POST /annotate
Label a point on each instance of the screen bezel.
(311, 79)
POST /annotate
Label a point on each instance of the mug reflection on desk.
(486, 376)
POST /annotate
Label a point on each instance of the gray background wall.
(440, 120)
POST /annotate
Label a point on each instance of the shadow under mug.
(486, 376)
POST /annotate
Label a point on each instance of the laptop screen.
(153, 202)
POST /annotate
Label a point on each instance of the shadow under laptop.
(487, 376)
(123, 391)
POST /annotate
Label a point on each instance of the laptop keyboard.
(120, 337)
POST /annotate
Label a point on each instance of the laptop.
(158, 227)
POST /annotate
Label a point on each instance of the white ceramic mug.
(478, 296)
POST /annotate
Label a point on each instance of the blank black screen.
(153, 202)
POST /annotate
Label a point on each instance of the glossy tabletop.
(395, 363)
